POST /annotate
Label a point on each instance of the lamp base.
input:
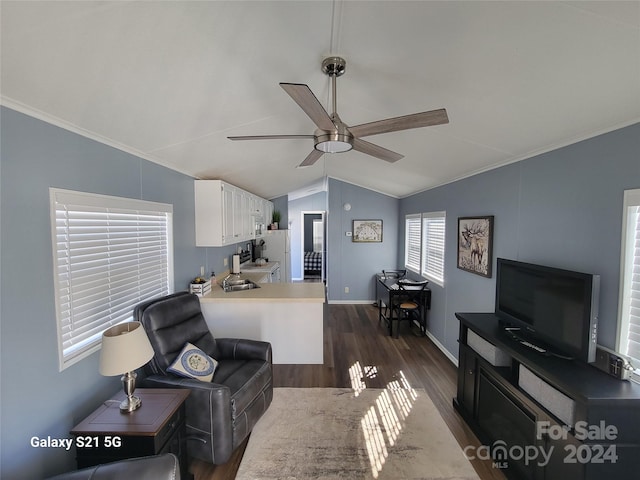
(130, 404)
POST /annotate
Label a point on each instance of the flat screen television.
(549, 308)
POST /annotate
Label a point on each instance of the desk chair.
(410, 304)
(396, 274)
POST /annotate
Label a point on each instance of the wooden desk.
(158, 426)
(386, 290)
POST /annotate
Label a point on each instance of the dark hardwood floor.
(358, 349)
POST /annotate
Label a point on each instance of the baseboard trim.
(446, 352)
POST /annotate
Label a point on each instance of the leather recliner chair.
(219, 414)
(160, 467)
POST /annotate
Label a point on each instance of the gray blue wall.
(562, 208)
(36, 399)
(353, 265)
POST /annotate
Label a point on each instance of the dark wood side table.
(158, 426)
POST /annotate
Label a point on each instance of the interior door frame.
(323, 216)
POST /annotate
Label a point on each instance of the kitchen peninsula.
(288, 315)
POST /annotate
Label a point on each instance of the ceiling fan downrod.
(338, 140)
(334, 67)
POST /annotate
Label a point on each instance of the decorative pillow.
(193, 363)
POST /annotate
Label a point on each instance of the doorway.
(314, 250)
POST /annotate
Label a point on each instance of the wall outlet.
(202, 271)
(225, 262)
(346, 289)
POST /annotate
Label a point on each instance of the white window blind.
(433, 226)
(629, 321)
(633, 349)
(412, 242)
(110, 253)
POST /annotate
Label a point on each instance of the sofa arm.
(208, 410)
(159, 467)
(243, 349)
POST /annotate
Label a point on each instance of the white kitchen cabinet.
(237, 213)
(248, 216)
(211, 220)
(229, 195)
(257, 204)
(224, 213)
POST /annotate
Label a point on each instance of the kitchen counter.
(290, 316)
(268, 292)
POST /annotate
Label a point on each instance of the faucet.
(225, 282)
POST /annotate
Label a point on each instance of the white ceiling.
(169, 81)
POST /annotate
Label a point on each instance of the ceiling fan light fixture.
(334, 143)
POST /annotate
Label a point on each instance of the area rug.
(328, 433)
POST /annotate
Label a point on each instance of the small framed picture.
(367, 231)
(475, 245)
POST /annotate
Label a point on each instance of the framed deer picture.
(475, 244)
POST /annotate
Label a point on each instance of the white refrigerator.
(277, 248)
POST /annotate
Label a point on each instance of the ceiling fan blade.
(305, 98)
(376, 151)
(406, 122)
(269, 137)
(311, 158)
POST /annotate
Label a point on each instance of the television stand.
(579, 422)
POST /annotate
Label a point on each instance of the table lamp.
(125, 347)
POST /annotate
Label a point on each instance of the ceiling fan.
(333, 135)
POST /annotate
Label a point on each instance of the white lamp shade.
(125, 347)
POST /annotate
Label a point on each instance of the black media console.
(542, 417)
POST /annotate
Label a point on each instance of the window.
(424, 245)
(412, 243)
(433, 246)
(110, 253)
(629, 309)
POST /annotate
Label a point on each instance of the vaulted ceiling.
(170, 81)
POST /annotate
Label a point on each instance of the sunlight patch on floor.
(370, 371)
(374, 440)
(357, 375)
(383, 423)
(389, 417)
